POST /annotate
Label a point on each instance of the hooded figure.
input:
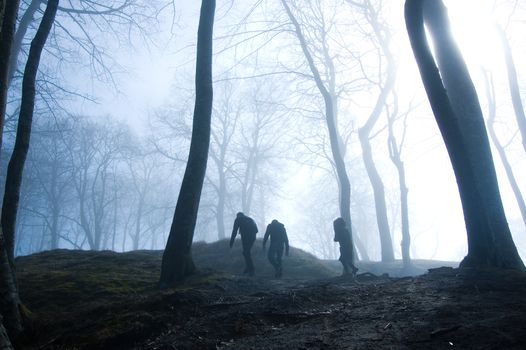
(247, 229)
(343, 236)
(278, 240)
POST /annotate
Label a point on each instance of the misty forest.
(262, 174)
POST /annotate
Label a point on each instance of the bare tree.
(513, 86)
(382, 37)
(330, 115)
(395, 153)
(459, 118)
(492, 113)
(177, 262)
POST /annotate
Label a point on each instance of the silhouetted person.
(343, 236)
(278, 240)
(247, 229)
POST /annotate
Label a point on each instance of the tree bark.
(23, 134)
(177, 262)
(9, 297)
(9, 12)
(344, 184)
(489, 238)
(514, 86)
(20, 33)
(5, 344)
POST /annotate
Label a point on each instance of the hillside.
(107, 300)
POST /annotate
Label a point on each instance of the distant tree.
(513, 85)
(459, 117)
(326, 89)
(223, 130)
(386, 83)
(395, 153)
(23, 135)
(492, 114)
(177, 262)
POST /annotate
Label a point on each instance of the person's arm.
(265, 238)
(234, 232)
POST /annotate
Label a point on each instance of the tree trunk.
(5, 344)
(396, 158)
(489, 237)
(20, 33)
(23, 134)
(177, 260)
(490, 91)
(344, 184)
(9, 297)
(384, 231)
(514, 86)
(9, 10)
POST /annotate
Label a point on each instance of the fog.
(114, 110)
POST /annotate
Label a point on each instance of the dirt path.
(443, 310)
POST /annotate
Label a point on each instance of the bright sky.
(435, 208)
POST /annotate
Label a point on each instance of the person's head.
(274, 221)
(240, 214)
(339, 223)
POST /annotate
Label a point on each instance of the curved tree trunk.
(383, 37)
(23, 133)
(177, 262)
(489, 238)
(386, 243)
(344, 184)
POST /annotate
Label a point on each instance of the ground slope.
(106, 300)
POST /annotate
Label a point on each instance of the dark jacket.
(245, 225)
(278, 235)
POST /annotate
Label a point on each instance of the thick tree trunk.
(177, 260)
(9, 10)
(23, 134)
(344, 184)
(492, 105)
(514, 86)
(488, 234)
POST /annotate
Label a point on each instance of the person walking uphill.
(278, 239)
(247, 229)
(343, 236)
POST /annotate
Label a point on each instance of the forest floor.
(107, 300)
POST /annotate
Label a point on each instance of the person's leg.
(271, 256)
(279, 255)
(248, 242)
